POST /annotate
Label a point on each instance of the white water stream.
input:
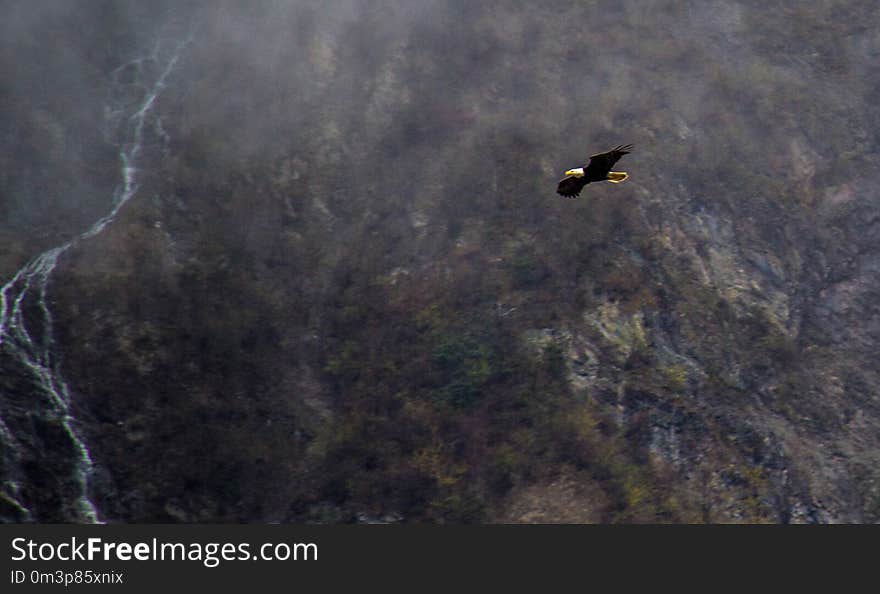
(26, 322)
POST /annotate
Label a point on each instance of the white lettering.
(15, 546)
(142, 551)
(94, 548)
(46, 556)
(123, 551)
(76, 550)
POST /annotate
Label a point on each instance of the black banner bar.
(132, 558)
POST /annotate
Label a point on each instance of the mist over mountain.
(303, 261)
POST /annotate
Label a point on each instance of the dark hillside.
(345, 290)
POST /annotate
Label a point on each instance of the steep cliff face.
(344, 289)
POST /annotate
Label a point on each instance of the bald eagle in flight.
(598, 169)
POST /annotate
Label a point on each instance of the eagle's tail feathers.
(615, 177)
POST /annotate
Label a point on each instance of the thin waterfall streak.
(6, 314)
(30, 285)
(11, 487)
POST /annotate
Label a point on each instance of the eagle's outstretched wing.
(601, 163)
(571, 185)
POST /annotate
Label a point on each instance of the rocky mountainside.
(344, 290)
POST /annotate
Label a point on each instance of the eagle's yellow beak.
(570, 172)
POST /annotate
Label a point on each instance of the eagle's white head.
(579, 172)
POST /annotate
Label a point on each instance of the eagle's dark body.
(598, 169)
